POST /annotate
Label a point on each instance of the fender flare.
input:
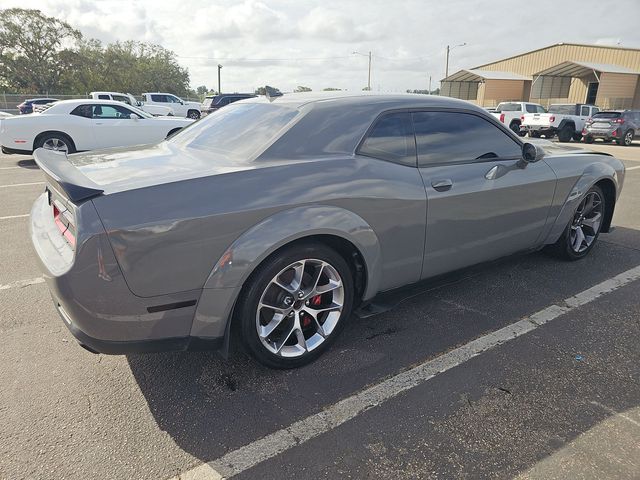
(591, 175)
(565, 122)
(249, 250)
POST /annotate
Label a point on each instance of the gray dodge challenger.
(279, 216)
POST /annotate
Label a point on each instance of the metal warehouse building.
(564, 73)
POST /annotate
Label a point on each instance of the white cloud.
(407, 38)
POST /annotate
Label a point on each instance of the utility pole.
(219, 88)
(429, 85)
(446, 68)
(369, 78)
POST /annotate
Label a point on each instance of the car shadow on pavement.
(210, 406)
(28, 164)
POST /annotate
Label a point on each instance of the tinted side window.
(584, 111)
(111, 112)
(540, 109)
(391, 138)
(531, 108)
(447, 137)
(159, 98)
(103, 97)
(85, 111)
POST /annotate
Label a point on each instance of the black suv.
(214, 102)
(618, 125)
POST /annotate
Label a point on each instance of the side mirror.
(532, 153)
(133, 116)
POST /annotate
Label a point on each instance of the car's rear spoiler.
(61, 172)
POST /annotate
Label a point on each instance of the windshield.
(607, 115)
(508, 107)
(240, 130)
(563, 109)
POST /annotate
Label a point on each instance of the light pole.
(446, 68)
(219, 89)
(369, 77)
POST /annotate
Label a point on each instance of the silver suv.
(618, 125)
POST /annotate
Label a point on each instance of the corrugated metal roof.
(579, 69)
(479, 75)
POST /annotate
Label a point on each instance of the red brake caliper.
(315, 301)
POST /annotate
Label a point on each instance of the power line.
(291, 59)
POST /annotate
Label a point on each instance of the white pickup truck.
(155, 110)
(181, 108)
(564, 119)
(510, 113)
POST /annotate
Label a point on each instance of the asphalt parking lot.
(559, 401)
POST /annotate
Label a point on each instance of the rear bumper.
(542, 129)
(10, 151)
(606, 134)
(93, 299)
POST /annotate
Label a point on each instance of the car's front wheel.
(584, 228)
(193, 114)
(295, 304)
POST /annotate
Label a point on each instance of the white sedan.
(79, 125)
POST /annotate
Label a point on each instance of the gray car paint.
(170, 219)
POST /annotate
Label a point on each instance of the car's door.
(178, 106)
(112, 126)
(483, 200)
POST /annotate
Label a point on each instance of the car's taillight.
(619, 121)
(521, 118)
(502, 117)
(552, 118)
(589, 121)
(64, 222)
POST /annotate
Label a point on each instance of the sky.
(286, 43)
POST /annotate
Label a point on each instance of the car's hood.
(126, 168)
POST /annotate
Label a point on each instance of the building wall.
(616, 90)
(537, 60)
(496, 91)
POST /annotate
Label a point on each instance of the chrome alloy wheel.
(586, 222)
(55, 144)
(628, 138)
(300, 308)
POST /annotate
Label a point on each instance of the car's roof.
(88, 101)
(383, 100)
(108, 93)
(39, 98)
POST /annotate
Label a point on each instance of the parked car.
(282, 215)
(181, 108)
(565, 120)
(77, 125)
(618, 125)
(214, 102)
(27, 106)
(510, 113)
(155, 110)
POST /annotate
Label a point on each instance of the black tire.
(588, 139)
(515, 127)
(194, 114)
(626, 139)
(565, 133)
(563, 248)
(577, 137)
(260, 280)
(48, 138)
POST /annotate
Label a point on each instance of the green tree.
(300, 89)
(263, 90)
(35, 50)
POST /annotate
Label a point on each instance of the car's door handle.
(442, 185)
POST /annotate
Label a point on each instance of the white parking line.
(8, 168)
(633, 168)
(9, 217)
(244, 458)
(21, 184)
(22, 283)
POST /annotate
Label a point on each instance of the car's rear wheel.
(565, 133)
(626, 139)
(588, 139)
(295, 304)
(584, 228)
(194, 114)
(55, 141)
